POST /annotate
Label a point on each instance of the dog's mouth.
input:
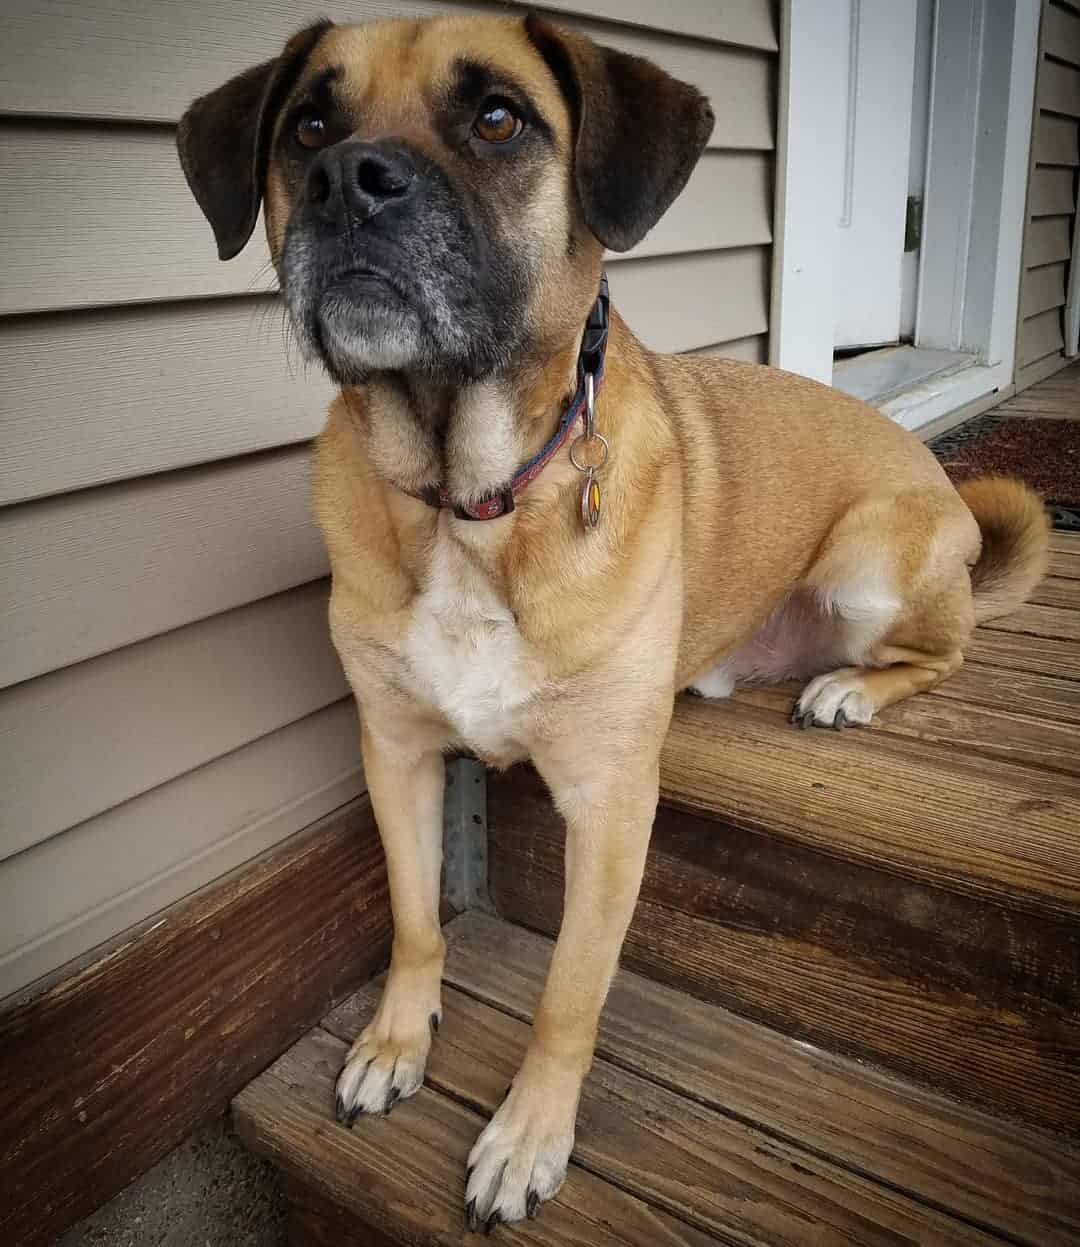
(359, 285)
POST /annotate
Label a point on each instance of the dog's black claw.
(434, 1021)
(354, 1113)
(840, 720)
(532, 1204)
(491, 1222)
(470, 1215)
(339, 1108)
(392, 1097)
(805, 720)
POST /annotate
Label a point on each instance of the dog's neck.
(469, 438)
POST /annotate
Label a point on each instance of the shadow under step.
(862, 946)
(696, 1127)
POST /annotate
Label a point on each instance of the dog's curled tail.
(1015, 539)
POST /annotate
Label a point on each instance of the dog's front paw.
(386, 1063)
(520, 1159)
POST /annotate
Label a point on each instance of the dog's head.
(438, 193)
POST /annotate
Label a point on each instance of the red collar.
(590, 361)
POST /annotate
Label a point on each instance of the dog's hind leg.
(893, 580)
(853, 695)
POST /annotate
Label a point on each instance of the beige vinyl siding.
(170, 703)
(1052, 198)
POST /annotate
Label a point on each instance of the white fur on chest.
(465, 652)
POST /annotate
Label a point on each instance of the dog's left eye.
(497, 122)
(311, 131)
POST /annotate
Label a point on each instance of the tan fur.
(755, 524)
(1014, 551)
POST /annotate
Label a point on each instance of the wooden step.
(907, 893)
(696, 1127)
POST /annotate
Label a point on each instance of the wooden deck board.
(695, 1127)
(942, 988)
(994, 733)
(995, 1174)
(905, 805)
(1057, 591)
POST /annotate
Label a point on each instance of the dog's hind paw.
(836, 699)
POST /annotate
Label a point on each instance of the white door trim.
(809, 146)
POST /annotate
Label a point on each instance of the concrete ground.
(209, 1192)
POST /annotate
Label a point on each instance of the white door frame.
(970, 261)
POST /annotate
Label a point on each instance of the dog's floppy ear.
(638, 132)
(224, 141)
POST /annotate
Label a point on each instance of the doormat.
(1044, 453)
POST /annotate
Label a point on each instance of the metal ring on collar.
(584, 467)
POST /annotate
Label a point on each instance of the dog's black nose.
(358, 180)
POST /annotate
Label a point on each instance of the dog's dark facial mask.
(438, 194)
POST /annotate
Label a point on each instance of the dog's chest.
(467, 657)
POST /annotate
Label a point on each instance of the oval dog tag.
(590, 502)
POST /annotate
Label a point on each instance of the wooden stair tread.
(695, 1127)
(928, 809)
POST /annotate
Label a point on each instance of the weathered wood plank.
(952, 992)
(1040, 655)
(1043, 696)
(1064, 563)
(954, 724)
(107, 1071)
(405, 1175)
(1067, 543)
(1016, 1182)
(1057, 591)
(721, 1176)
(851, 794)
(1040, 621)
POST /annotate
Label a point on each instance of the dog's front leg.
(386, 1063)
(520, 1159)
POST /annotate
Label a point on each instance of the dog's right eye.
(311, 131)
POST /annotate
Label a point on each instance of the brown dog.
(438, 198)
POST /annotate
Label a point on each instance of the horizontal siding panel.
(1051, 192)
(747, 22)
(1059, 88)
(86, 573)
(754, 349)
(1037, 372)
(62, 898)
(1044, 288)
(677, 303)
(727, 203)
(146, 60)
(98, 216)
(1056, 141)
(1061, 34)
(64, 248)
(1040, 336)
(1047, 241)
(100, 396)
(129, 721)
